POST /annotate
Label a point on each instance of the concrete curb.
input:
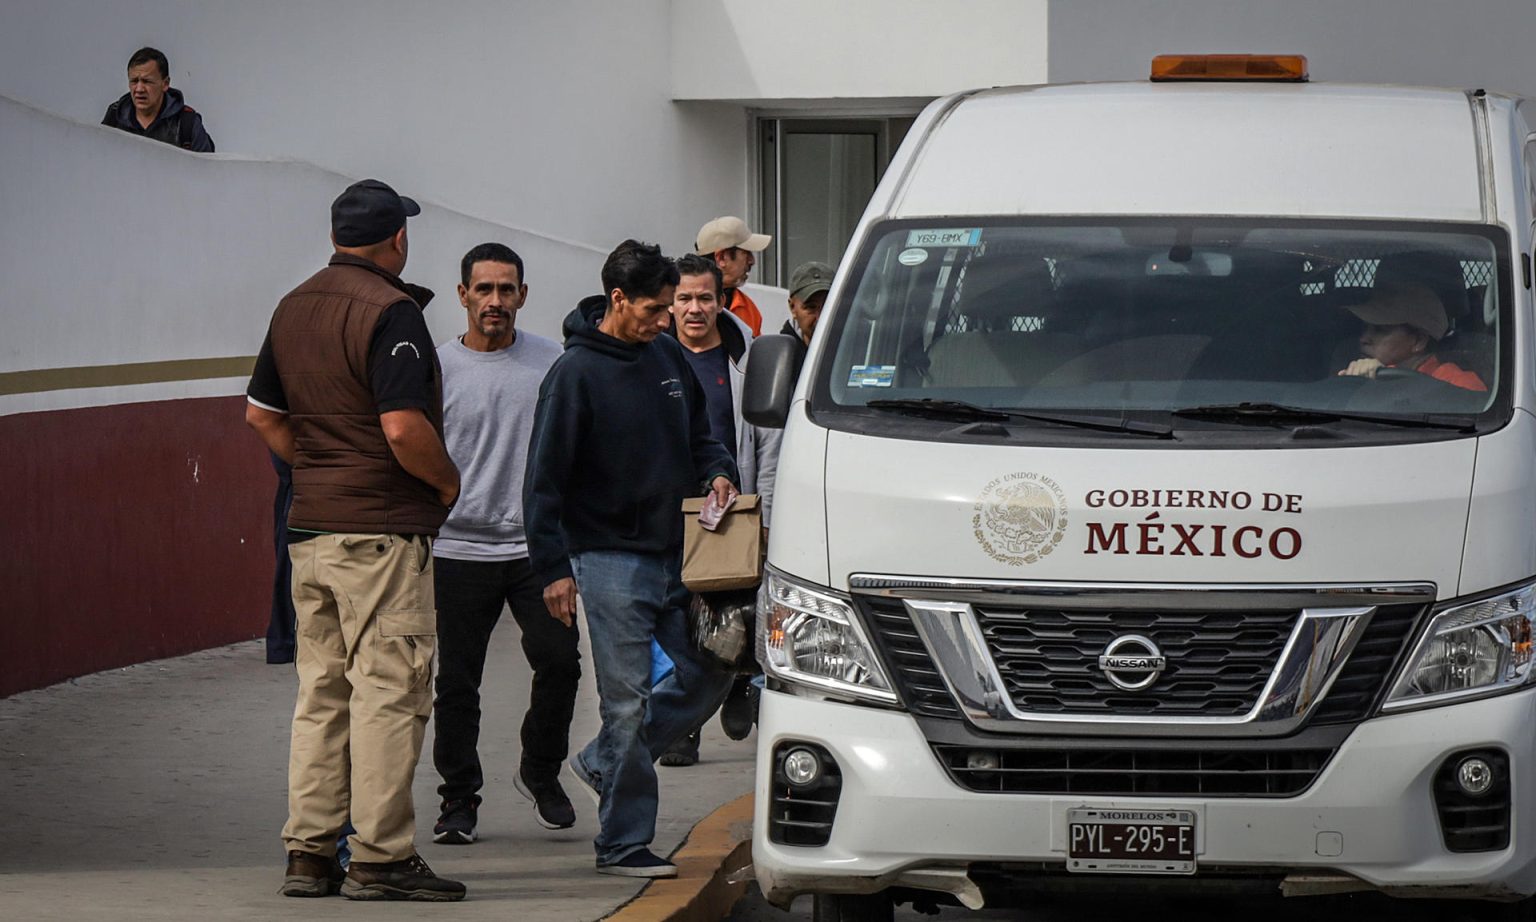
(719, 845)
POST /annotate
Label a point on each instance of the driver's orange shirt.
(1451, 373)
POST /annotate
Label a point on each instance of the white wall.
(186, 258)
(814, 49)
(554, 117)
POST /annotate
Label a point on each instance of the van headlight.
(809, 636)
(1470, 651)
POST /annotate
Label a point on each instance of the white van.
(1156, 504)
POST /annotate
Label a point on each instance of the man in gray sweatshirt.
(491, 378)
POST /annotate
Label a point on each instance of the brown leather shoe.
(311, 875)
(408, 879)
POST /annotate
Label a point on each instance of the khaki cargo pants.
(367, 628)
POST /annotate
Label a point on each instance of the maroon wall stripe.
(130, 533)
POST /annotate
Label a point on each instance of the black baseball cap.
(369, 211)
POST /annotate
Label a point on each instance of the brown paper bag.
(731, 556)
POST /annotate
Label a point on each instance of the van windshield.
(1188, 322)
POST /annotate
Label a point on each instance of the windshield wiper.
(1277, 412)
(961, 411)
(930, 408)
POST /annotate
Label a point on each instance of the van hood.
(1341, 515)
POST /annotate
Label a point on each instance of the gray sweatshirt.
(488, 403)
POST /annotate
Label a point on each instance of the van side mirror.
(773, 366)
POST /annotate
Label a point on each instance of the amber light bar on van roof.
(1290, 68)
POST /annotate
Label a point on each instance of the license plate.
(1106, 841)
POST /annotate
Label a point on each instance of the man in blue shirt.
(716, 343)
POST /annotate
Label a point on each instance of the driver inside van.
(1404, 324)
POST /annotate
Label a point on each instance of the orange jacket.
(742, 307)
(1451, 373)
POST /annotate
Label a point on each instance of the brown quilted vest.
(345, 478)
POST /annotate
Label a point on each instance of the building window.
(816, 176)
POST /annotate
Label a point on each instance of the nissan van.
(1155, 507)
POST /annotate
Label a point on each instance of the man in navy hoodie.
(621, 436)
(152, 109)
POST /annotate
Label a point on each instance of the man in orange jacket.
(731, 244)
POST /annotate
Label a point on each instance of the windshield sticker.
(945, 237)
(915, 256)
(872, 376)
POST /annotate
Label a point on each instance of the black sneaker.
(739, 712)
(642, 863)
(551, 807)
(683, 751)
(456, 822)
(311, 875)
(408, 879)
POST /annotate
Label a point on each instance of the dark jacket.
(177, 123)
(345, 477)
(792, 329)
(620, 438)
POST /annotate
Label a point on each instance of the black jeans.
(470, 595)
(281, 628)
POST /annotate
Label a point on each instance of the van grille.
(1218, 662)
(917, 679)
(1113, 772)
(1360, 682)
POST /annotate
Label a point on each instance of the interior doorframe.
(769, 129)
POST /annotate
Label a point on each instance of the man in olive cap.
(808, 287)
(732, 245)
(348, 390)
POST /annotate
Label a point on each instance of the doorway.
(816, 176)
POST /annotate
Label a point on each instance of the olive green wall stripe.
(58, 379)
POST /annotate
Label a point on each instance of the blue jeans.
(630, 598)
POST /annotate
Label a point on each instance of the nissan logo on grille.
(1132, 662)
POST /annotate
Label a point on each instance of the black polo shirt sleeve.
(266, 389)
(402, 360)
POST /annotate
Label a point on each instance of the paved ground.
(158, 791)
(1357, 908)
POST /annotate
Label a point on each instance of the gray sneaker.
(588, 781)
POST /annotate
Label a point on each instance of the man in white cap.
(731, 244)
(1403, 325)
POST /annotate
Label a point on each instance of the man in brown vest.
(348, 390)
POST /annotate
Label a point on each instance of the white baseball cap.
(729, 231)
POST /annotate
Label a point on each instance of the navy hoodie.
(620, 439)
(166, 126)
